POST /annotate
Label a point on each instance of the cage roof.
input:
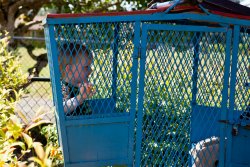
(225, 8)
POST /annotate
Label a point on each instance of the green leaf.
(37, 124)
(21, 144)
(35, 159)
(2, 134)
(22, 116)
(14, 127)
(28, 140)
(39, 150)
(47, 151)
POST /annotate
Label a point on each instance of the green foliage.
(19, 140)
(50, 132)
(11, 77)
(73, 6)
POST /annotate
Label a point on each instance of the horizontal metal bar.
(181, 28)
(33, 79)
(122, 161)
(29, 38)
(149, 17)
(107, 120)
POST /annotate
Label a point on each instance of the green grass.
(36, 89)
(27, 62)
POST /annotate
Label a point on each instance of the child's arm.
(86, 91)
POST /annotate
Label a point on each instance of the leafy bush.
(21, 143)
(11, 77)
(10, 127)
(50, 132)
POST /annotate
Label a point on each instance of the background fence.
(37, 96)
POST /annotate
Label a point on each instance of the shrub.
(11, 77)
(20, 142)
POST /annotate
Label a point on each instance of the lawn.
(36, 89)
(27, 62)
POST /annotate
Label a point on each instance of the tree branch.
(16, 5)
(23, 29)
(3, 16)
(36, 7)
(5, 3)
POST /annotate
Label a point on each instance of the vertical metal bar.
(58, 95)
(176, 2)
(140, 97)
(195, 67)
(225, 98)
(52, 80)
(134, 89)
(47, 40)
(236, 35)
(115, 53)
(196, 44)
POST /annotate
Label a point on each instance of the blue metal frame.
(134, 87)
(236, 34)
(115, 53)
(58, 95)
(195, 69)
(145, 28)
(224, 110)
(176, 2)
(128, 120)
(145, 17)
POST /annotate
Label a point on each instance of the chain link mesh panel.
(183, 85)
(166, 101)
(37, 98)
(94, 63)
(186, 69)
(111, 47)
(242, 91)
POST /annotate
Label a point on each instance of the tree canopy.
(16, 16)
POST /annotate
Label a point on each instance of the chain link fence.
(37, 96)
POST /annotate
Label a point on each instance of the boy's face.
(79, 71)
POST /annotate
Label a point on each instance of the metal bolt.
(235, 130)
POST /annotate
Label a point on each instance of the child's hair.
(70, 53)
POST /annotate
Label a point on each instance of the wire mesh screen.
(207, 105)
(108, 47)
(242, 92)
(182, 75)
(175, 76)
(37, 99)
(166, 113)
(211, 69)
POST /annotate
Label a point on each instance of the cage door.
(180, 95)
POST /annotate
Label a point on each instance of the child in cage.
(75, 67)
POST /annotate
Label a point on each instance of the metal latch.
(243, 120)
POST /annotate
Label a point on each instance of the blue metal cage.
(171, 89)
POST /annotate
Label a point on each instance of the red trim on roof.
(101, 14)
(180, 9)
(151, 11)
(230, 15)
(177, 9)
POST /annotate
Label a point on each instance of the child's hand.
(86, 91)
